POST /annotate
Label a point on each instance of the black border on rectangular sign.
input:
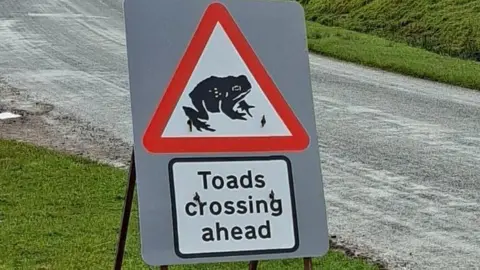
(232, 253)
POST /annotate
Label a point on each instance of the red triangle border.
(155, 144)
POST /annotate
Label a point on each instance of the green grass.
(63, 212)
(392, 56)
(449, 27)
(429, 39)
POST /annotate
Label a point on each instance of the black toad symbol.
(218, 94)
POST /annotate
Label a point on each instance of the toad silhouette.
(218, 95)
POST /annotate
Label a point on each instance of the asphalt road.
(400, 156)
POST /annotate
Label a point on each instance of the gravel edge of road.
(57, 131)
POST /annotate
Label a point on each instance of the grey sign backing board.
(226, 152)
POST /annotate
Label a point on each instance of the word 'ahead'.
(221, 98)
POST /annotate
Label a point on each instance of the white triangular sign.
(223, 97)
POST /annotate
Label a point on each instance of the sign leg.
(252, 265)
(307, 264)
(127, 209)
(164, 267)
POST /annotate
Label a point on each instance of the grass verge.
(443, 26)
(392, 56)
(63, 212)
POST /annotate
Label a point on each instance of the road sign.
(221, 98)
(226, 157)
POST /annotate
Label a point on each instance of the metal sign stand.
(127, 210)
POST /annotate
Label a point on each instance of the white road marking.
(8, 115)
(64, 15)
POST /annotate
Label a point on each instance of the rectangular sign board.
(233, 206)
(225, 142)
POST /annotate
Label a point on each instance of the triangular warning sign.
(221, 99)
